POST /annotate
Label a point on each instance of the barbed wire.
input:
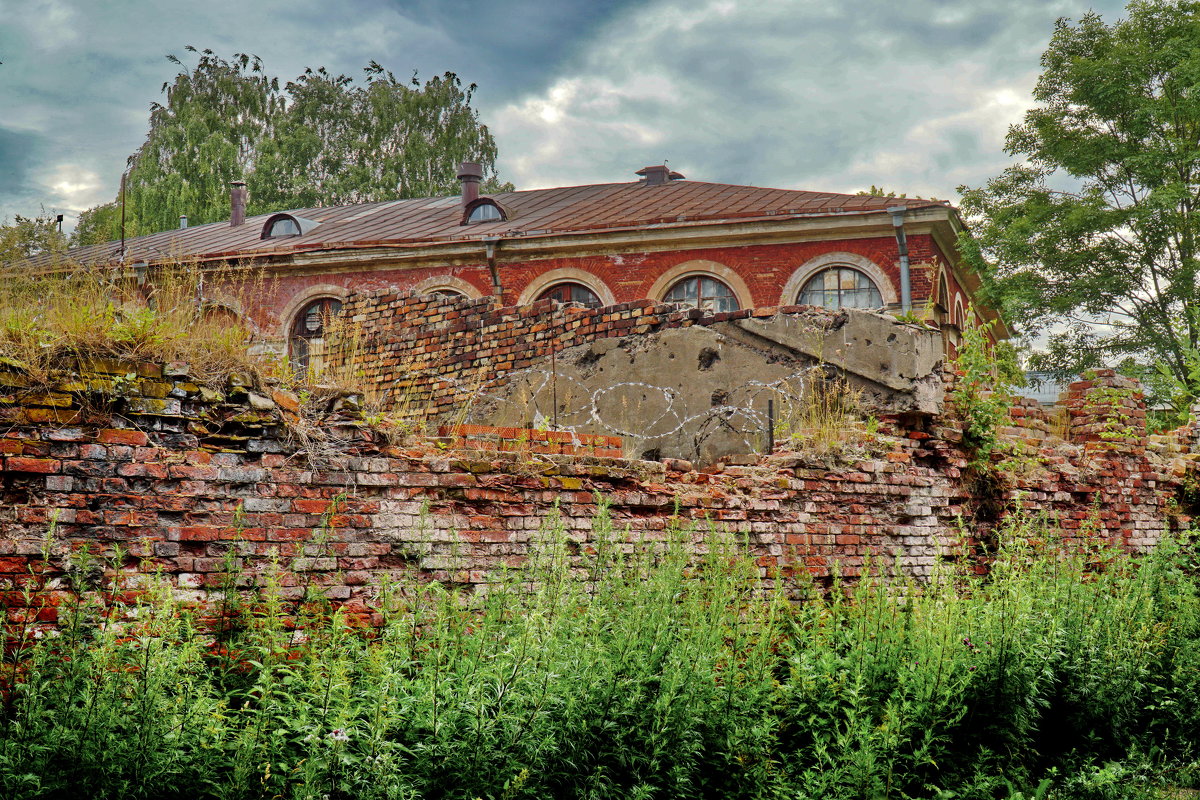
(525, 395)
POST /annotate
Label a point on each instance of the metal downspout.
(897, 213)
(490, 244)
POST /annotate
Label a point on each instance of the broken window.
(703, 292)
(840, 287)
(306, 345)
(570, 292)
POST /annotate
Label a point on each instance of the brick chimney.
(470, 173)
(237, 203)
(657, 175)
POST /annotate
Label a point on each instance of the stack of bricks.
(1107, 411)
(530, 440)
(433, 353)
(1028, 422)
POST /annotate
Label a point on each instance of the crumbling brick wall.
(182, 478)
(432, 353)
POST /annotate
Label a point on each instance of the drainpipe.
(897, 213)
(490, 244)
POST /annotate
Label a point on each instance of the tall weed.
(655, 669)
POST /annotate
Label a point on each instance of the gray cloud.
(915, 96)
(16, 152)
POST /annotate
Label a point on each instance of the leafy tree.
(1100, 221)
(319, 140)
(29, 236)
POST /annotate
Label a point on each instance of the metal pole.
(770, 425)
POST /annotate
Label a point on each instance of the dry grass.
(49, 322)
(822, 416)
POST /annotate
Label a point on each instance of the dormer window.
(483, 210)
(284, 227)
(279, 226)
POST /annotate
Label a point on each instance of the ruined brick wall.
(432, 353)
(183, 477)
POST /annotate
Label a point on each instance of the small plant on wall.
(987, 372)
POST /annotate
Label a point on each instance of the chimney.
(470, 173)
(182, 221)
(657, 175)
(237, 203)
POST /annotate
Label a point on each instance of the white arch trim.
(791, 289)
(301, 299)
(708, 269)
(566, 275)
(449, 284)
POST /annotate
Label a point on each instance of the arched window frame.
(703, 268)
(546, 280)
(872, 300)
(301, 355)
(474, 205)
(699, 279)
(806, 271)
(446, 283)
(303, 226)
(594, 302)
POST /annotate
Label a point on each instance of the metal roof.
(538, 212)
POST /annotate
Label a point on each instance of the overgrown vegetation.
(987, 373)
(50, 322)
(625, 674)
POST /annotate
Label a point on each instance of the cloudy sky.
(914, 96)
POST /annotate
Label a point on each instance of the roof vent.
(470, 173)
(657, 175)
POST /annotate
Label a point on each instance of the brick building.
(662, 237)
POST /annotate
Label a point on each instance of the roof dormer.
(284, 225)
(483, 209)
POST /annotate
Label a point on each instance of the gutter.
(490, 244)
(897, 213)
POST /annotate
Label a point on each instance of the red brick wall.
(630, 276)
(431, 353)
(182, 481)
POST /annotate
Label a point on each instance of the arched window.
(571, 292)
(483, 210)
(840, 287)
(701, 291)
(307, 333)
(447, 294)
(283, 225)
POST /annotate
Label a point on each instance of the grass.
(630, 672)
(822, 416)
(49, 322)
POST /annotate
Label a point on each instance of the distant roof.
(538, 212)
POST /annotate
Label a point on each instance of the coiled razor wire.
(741, 419)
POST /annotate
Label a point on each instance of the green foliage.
(1100, 219)
(646, 673)
(987, 374)
(29, 236)
(318, 140)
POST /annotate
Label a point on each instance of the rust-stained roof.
(538, 212)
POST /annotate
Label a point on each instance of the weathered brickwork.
(629, 276)
(183, 478)
(433, 353)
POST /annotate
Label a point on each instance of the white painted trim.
(449, 283)
(791, 290)
(703, 268)
(566, 275)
